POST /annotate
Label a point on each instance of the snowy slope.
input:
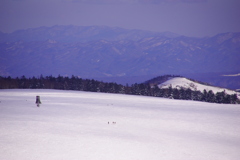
(179, 82)
(74, 125)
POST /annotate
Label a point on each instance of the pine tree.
(176, 93)
(210, 96)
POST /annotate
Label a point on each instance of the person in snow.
(38, 102)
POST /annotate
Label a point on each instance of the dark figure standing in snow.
(38, 102)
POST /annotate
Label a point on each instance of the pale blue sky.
(197, 18)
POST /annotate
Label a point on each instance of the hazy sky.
(187, 17)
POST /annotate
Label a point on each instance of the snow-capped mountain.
(78, 125)
(95, 51)
(181, 82)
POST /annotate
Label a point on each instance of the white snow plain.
(74, 125)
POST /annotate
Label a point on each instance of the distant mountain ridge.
(98, 51)
(71, 34)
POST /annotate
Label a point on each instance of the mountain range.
(109, 53)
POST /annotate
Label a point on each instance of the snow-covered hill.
(74, 125)
(181, 82)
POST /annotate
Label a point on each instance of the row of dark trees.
(76, 83)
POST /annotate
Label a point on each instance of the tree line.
(145, 89)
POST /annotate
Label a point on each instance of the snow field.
(74, 125)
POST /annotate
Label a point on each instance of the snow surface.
(179, 82)
(74, 125)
